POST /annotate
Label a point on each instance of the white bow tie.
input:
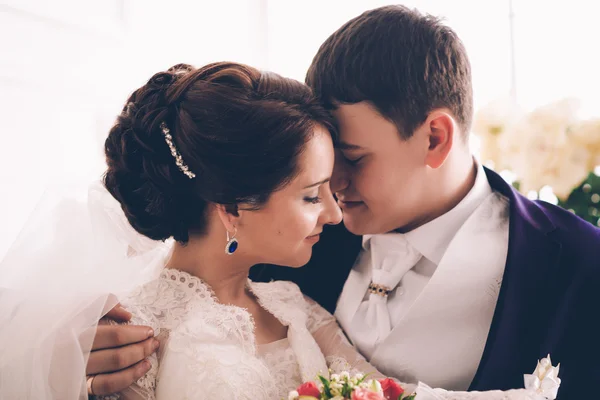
(392, 256)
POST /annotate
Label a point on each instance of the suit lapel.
(519, 317)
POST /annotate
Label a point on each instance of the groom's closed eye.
(352, 157)
(352, 160)
(352, 153)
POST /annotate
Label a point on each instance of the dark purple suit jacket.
(549, 302)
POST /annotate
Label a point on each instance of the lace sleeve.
(339, 352)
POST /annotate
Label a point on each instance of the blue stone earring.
(232, 243)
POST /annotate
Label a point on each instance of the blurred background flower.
(551, 152)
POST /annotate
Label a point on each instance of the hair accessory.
(178, 159)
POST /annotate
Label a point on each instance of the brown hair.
(239, 130)
(404, 63)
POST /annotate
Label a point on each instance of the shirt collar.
(433, 238)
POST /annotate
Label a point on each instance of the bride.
(234, 165)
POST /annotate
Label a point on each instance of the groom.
(441, 272)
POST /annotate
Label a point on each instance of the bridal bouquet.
(543, 384)
(344, 386)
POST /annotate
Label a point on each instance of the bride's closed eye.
(313, 200)
(317, 187)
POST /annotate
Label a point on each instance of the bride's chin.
(301, 260)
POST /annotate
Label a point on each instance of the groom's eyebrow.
(318, 183)
(348, 146)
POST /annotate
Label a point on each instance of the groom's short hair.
(404, 63)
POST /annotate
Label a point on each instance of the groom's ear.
(441, 129)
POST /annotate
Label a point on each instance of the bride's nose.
(331, 215)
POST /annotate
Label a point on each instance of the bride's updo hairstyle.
(225, 133)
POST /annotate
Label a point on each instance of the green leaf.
(517, 185)
(347, 390)
(584, 200)
(326, 389)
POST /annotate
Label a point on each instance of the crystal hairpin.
(178, 159)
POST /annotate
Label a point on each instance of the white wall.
(557, 52)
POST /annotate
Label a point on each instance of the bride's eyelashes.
(313, 200)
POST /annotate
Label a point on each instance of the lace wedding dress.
(208, 349)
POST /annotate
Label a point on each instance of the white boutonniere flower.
(544, 380)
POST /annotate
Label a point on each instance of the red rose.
(391, 389)
(366, 394)
(309, 389)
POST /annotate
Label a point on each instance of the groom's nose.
(340, 177)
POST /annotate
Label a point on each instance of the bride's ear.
(229, 215)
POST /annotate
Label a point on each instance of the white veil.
(76, 255)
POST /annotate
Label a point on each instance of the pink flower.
(309, 389)
(391, 389)
(366, 394)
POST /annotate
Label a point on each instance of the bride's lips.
(314, 238)
(349, 205)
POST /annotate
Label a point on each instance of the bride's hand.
(119, 352)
